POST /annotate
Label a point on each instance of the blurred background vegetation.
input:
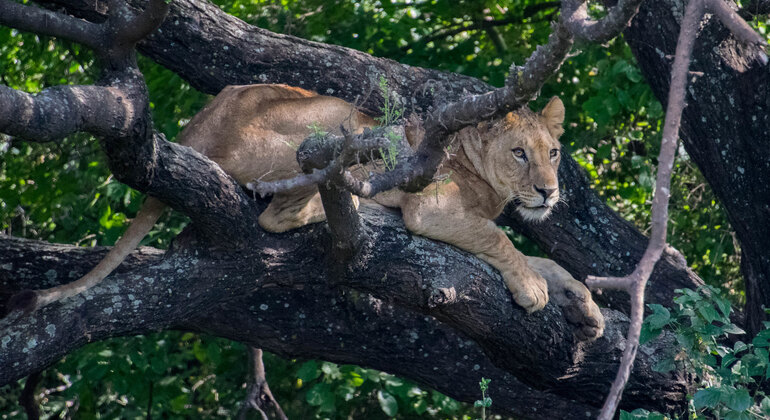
(64, 193)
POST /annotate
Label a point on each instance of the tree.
(215, 204)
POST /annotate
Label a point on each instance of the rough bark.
(725, 128)
(395, 305)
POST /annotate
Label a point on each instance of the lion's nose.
(545, 192)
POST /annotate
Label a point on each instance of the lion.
(253, 131)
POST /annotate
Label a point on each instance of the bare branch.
(735, 23)
(259, 396)
(635, 283)
(46, 22)
(585, 29)
(27, 398)
(523, 85)
(59, 111)
(341, 214)
(324, 157)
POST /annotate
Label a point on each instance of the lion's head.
(519, 157)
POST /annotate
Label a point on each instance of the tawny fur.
(253, 132)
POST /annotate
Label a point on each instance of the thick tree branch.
(59, 111)
(727, 112)
(46, 22)
(269, 308)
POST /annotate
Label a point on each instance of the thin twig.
(259, 394)
(27, 397)
(585, 29)
(370, 140)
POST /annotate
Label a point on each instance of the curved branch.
(46, 22)
(138, 27)
(583, 28)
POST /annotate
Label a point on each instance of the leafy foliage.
(731, 372)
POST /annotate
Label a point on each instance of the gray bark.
(395, 305)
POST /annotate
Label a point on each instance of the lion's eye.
(519, 153)
(554, 153)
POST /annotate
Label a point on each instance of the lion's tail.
(29, 300)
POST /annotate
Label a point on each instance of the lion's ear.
(553, 116)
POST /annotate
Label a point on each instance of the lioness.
(252, 132)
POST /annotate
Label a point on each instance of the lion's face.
(522, 159)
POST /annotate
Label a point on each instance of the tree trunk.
(725, 128)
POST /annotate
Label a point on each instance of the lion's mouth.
(534, 213)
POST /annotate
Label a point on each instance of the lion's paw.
(573, 297)
(581, 311)
(531, 292)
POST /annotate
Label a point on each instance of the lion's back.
(253, 131)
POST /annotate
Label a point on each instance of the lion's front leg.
(442, 219)
(572, 296)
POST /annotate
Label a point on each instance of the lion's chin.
(534, 214)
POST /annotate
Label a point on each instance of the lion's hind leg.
(292, 209)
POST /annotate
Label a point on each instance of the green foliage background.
(64, 193)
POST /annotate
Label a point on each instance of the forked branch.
(635, 282)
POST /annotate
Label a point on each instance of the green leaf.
(733, 329)
(308, 371)
(706, 398)
(723, 305)
(648, 333)
(355, 379)
(739, 400)
(762, 339)
(738, 415)
(331, 370)
(420, 406)
(178, 404)
(660, 316)
(388, 403)
(707, 312)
